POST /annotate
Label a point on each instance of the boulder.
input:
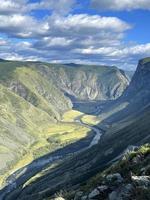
(59, 198)
(84, 197)
(122, 193)
(141, 180)
(114, 179)
(100, 192)
(137, 159)
(95, 193)
(78, 195)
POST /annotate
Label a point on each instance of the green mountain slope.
(131, 128)
(28, 104)
(19, 122)
(77, 170)
(32, 96)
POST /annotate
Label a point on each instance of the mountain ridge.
(75, 171)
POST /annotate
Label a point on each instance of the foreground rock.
(130, 179)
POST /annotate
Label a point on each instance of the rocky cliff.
(135, 97)
(129, 178)
(85, 82)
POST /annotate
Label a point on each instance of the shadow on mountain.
(82, 166)
(87, 106)
(21, 176)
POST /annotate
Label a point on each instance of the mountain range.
(34, 95)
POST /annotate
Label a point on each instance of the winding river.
(21, 176)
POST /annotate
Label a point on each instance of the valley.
(68, 123)
(28, 171)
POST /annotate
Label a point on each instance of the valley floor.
(74, 133)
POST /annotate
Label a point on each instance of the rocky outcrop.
(141, 180)
(135, 97)
(123, 184)
(85, 82)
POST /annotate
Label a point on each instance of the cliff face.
(88, 82)
(135, 97)
(140, 82)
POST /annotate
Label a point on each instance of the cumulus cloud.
(59, 6)
(120, 4)
(24, 6)
(82, 30)
(121, 55)
(22, 26)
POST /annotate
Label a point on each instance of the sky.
(104, 32)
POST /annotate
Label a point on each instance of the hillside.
(129, 178)
(134, 99)
(28, 105)
(75, 171)
(87, 82)
(33, 99)
(131, 129)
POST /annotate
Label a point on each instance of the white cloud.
(12, 6)
(24, 6)
(84, 22)
(23, 26)
(120, 55)
(120, 4)
(63, 37)
(59, 6)
(118, 51)
(76, 31)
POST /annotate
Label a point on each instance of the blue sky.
(110, 32)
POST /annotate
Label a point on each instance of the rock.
(122, 193)
(114, 179)
(94, 194)
(59, 198)
(143, 170)
(78, 195)
(84, 197)
(113, 195)
(130, 149)
(102, 188)
(141, 180)
(137, 159)
(100, 192)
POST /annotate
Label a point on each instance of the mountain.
(85, 82)
(134, 99)
(128, 126)
(28, 104)
(33, 95)
(126, 179)
(76, 171)
(129, 74)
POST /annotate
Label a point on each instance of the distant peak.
(2, 60)
(71, 64)
(144, 60)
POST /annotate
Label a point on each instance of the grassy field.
(51, 138)
(56, 136)
(90, 119)
(71, 115)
